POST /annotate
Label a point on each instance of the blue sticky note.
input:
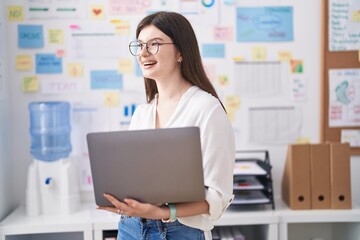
(30, 36)
(48, 63)
(264, 24)
(213, 50)
(106, 79)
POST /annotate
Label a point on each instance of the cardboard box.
(340, 176)
(320, 176)
(296, 179)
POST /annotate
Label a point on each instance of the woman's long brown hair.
(179, 29)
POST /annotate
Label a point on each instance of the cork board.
(333, 60)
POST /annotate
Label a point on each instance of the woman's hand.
(131, 207)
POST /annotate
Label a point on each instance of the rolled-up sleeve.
(218, 147)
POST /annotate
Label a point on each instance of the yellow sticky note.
(223, 80)
(75, 70)
(111, 99)
(297, 66)
(238, 59)
(24, 62)
(122, 27)
(232, 104)
(258, 53)
(15, 13)
(97, 12)
(30, 84)
(125, 66)
(355, 16)
(284, 55)
(56, 36)
(303, 140)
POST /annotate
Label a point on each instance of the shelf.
(282, 223)
(18, 223)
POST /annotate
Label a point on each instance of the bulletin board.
(334, 59)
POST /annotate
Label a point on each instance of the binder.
(296, 178)
(320, 176)
(340, 176)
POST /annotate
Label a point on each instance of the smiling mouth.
(146, 64)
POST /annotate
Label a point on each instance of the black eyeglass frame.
(140, 45)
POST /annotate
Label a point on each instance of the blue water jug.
(50, 130)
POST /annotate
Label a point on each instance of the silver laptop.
(152, 166)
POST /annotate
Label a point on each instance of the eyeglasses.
(152, 47)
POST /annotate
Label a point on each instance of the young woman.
(179, 94)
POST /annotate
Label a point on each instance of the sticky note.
(111, 99)
(56, 36)
(232, 104)
(258, 53)
(30, 84)
(296, 66)
(15, 13)
(303, 140)
(213, 50)
(125, 66)
(284, 55)
(238, 59)
(106, 79)
(223, 80)
(30, 36)
(222, 33)
(75, 70)
(122, 27)
(24, 62)
(48, 63)
(97, 12)
(355, 16)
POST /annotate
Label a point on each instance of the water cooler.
(52, 183)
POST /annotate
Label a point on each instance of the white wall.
(6, 190)
(306, 46)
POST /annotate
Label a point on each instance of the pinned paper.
(24, 62)
(60, 53)
(223, 80)
(213, 50)
(296, 66)
(106, 79)
(351, 136)
(232, 104)
(122, 27)
(125, 66)
(75, 70)
(223, 34)
(56, 36)
(355, 16)
(30, 84)
(284, 55)
(97, 12)
(303, 140)
(60, 86)
(111, 99)
(258, 53)
(15, 14)
(30, 36)
(48, 63)
(238, 59)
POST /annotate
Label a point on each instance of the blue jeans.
(135, 228)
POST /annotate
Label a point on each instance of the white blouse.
(199, 108)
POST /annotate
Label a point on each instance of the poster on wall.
(344, 97)
(344, 25)
(264, 24)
